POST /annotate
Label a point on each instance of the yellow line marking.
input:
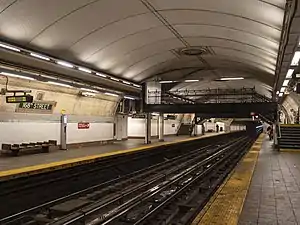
(290, 125)
(8, 174)
(225, 206)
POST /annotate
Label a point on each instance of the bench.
(43, 147)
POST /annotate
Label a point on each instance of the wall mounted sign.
(36, 107)
(19, 99)
(83, 125)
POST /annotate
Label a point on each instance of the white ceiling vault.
(141, 39)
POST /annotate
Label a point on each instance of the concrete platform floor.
(274, 193)
(9, 163)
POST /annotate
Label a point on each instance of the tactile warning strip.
(225, 207)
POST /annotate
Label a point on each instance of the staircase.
(289, 136)
(184, 129)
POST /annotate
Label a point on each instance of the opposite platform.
(11, 167)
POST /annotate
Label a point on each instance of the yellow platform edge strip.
(289, 150)
(225, 206)
(30, 170)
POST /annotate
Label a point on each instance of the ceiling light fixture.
(130, 98)
(277, 92)
(115, 79)
(65, 64)
(285, 83)
(59, 84)
(111, 94)
(101, 75)
(17, 76)
(138, 86)
(296, 59)
(88, 94)
(166, 81)
(280, 94)
(126, 82)
(282, 89)
(39, 56)
(84, 70)
(90, 90)
(289, 73)
(9, 47)
(189, 81)
(232, 78)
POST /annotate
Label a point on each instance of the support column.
(148, 128)
(161, 127)
(63, 132)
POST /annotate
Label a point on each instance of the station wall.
(136, 127)
(23, 126)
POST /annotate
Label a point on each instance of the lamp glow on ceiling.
(130, 98)
(84, 70)
(65, 64)
(59, 84)
(17, 76)
(39, 56)
(289, 73)
(232, 78)
(9, 47)
(111, 94)
(285, 83)
(296, 58)
(190, 81)
(89, 90)
(166, 81)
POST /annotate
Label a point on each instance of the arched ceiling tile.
(140, 54)
(251, 9)
(269, 63)
(199, 30)
(78, 25)
(137, 68)
(105, 58)
(25, 19)
(222, 20)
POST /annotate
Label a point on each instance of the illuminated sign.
(83, 125)
(19, 99)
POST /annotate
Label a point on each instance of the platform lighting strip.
(16, 75)
(62, 63)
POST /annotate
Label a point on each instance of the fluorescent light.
(111, 94)
(138, 86)
(125, 82)
(285, 83)
(187, 81)
(296, 59)
(232, 78)
(59, 84)
(90, 90)
(277, 92)
(17, 76)
(166, 81)
(115, 79)
(127, 97)
(101, 75)
(298, 75)
(289, 73)
(66, 64)
(9, 47)
(88, 94)
(282, 89)
(84, 70)
(280, 94)
(39, 56)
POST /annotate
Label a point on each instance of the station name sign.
(83, 125)
(36, 107)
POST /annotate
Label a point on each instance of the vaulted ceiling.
(148, 39)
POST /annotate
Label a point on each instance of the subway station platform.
(263, 189)
(37, 163)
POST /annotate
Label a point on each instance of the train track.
(170, 192)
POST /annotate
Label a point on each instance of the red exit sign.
(83, 125)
